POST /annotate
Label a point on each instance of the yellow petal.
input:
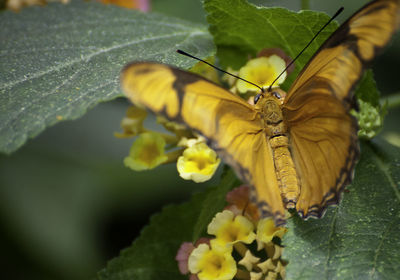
(262, 71)
(230, 229)
(266, 266)
(249, 260)
(266, 230)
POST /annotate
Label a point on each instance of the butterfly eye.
(276, 94)
(256, 98)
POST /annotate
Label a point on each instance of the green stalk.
(392, 100)
(173, 156)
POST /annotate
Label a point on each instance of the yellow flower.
(266, 230)
(229, 229)
(212, 264)
(262, 71)
(132, 123)
(147, 152)
(198, 163)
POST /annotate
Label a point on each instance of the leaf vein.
(386, 173)
(90, 56)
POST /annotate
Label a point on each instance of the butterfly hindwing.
(323, 134)
(324, 147)
(233, 127)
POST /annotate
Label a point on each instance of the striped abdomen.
(285, 170)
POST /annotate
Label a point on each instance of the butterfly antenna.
(309, 43)
(237, 77)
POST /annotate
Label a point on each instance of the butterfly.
(298, 152)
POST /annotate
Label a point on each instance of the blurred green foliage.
(67, 202)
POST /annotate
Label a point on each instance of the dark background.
(67, 203)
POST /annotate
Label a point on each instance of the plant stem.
(305, 4)
(393, 100)
(169, 139)
(173, 156)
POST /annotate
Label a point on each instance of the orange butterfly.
(299, 152)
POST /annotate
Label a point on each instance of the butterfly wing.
(322, 132)
(232, 126)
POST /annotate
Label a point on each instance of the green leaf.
(61, 60)
(360, 238)
(152, 255)
(241, 30)
(366, 89)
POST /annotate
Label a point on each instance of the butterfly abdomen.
(277, 134)
(285, 170)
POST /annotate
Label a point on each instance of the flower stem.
(169, 139)
(393, 100)
(173, 156)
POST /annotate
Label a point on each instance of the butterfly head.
(273, 93)
(269, 103)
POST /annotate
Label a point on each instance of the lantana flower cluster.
(194, 159)
(242, 246)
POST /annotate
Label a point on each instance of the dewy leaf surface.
(360, 238)
(59, 60)
(152, 255)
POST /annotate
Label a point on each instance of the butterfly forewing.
(233, 127)
(374, 26)
(322, 132)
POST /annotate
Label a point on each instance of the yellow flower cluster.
(195, 160)
(241, 248)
